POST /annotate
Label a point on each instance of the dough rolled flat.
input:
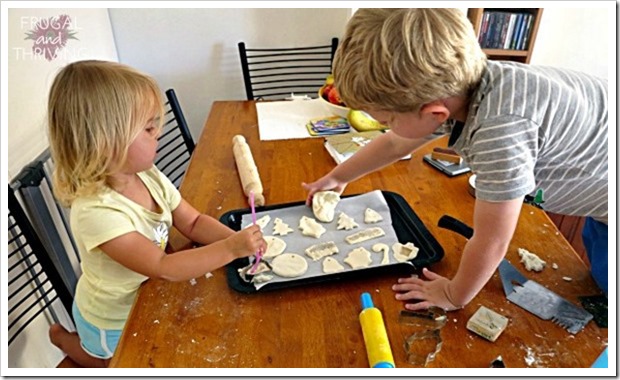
(289, 265)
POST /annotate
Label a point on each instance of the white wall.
(195, 50)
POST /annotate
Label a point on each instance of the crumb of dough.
(554, 266)
(310, 227)
(324, 205)
(345, 222)
(531, 261)
(567, 279)
(289, 265)
(371, 216)
(275, 246)
(358, 258)
(281, 228)
(331, 265)
(404, 252)
(318, 251)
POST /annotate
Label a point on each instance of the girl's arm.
(197, 227)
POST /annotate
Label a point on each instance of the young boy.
(519, 127)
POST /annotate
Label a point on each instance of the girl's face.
(142, 151)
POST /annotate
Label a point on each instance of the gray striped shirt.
(534, 127)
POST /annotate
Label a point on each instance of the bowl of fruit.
(331, 99)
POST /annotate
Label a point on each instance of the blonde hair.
(400, 59)
(95, 111)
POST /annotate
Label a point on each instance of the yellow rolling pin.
(375, 336)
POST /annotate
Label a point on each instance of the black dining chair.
(35, 286)
(276, 73)
(176, 144)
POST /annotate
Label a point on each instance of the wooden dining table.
(206, 323)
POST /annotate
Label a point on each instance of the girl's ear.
(436, 110)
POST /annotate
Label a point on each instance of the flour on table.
(324, 205)
(345, 222)
(318, 251)
(531, 261)
(367, 234)
(404, 252)
(310, 227)
(281, 228)
(358, 258)
(379, 247)
(289, 265)
(275, 246)
(331, 265)
(371, 216)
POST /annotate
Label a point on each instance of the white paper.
(287, 119)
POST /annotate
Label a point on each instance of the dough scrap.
(371, 216)
(367, 234)
(345, 222)
(386, 252)
(404, 252)
(331, 265)
(324, 205)
(309, 227)
(281, 228)
(358, 258)
(531, 261)
(318, 251)
(263, 277)
(289, 265)
(275, 246)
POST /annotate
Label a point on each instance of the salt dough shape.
(289, 265)
(324, 205)
(367, 234)
(281, 228)
(263, 221)
(386, 252)
(358, 258)
(345, 222)
(318, 251)
(371, 216)
(531, 261)
(404, 252)
(263, 277)
(275, 246)
(331, 265)
(309, 227)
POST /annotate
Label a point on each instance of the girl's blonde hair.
(95, 111)
(400, 59)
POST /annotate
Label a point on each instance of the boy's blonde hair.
(95, 111)
(400, 59)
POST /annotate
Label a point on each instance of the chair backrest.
(34, 284)
(176, 144)
(276, 73)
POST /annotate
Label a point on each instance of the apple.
(325, 94)
(334, 97)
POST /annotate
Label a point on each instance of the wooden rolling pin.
(248, 172)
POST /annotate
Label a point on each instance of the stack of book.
(330, 125)
(505, 30)
(343, 146)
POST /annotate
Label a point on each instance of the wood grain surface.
(207, 324)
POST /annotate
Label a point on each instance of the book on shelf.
(505, 30)
(343, 146)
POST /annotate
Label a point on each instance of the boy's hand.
(323, 183)
(432, 292)
(246, 242)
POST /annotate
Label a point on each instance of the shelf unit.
(475, 15)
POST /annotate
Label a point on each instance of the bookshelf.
(506, 33)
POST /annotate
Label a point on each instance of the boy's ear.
(437, 110)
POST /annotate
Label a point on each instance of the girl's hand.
(324, 183)
(246, 242)
(432, 292)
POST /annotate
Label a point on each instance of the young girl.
(104, 121)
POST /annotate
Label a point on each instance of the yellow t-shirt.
(106, 289)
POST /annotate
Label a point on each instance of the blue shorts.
(596, 243)
(95, 341)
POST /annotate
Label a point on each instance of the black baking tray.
(407, 225)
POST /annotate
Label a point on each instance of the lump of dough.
(281, 228)
(275, 246)
(331, 265)
(531, 261)
(404, 252)
(367, 234)
(386, 252)
(358, 258)
(345, 222)
(371, 216)
(309, 227)
(289, 265)
(324, 205)
(318, 251)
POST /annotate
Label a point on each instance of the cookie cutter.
(423, 345)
